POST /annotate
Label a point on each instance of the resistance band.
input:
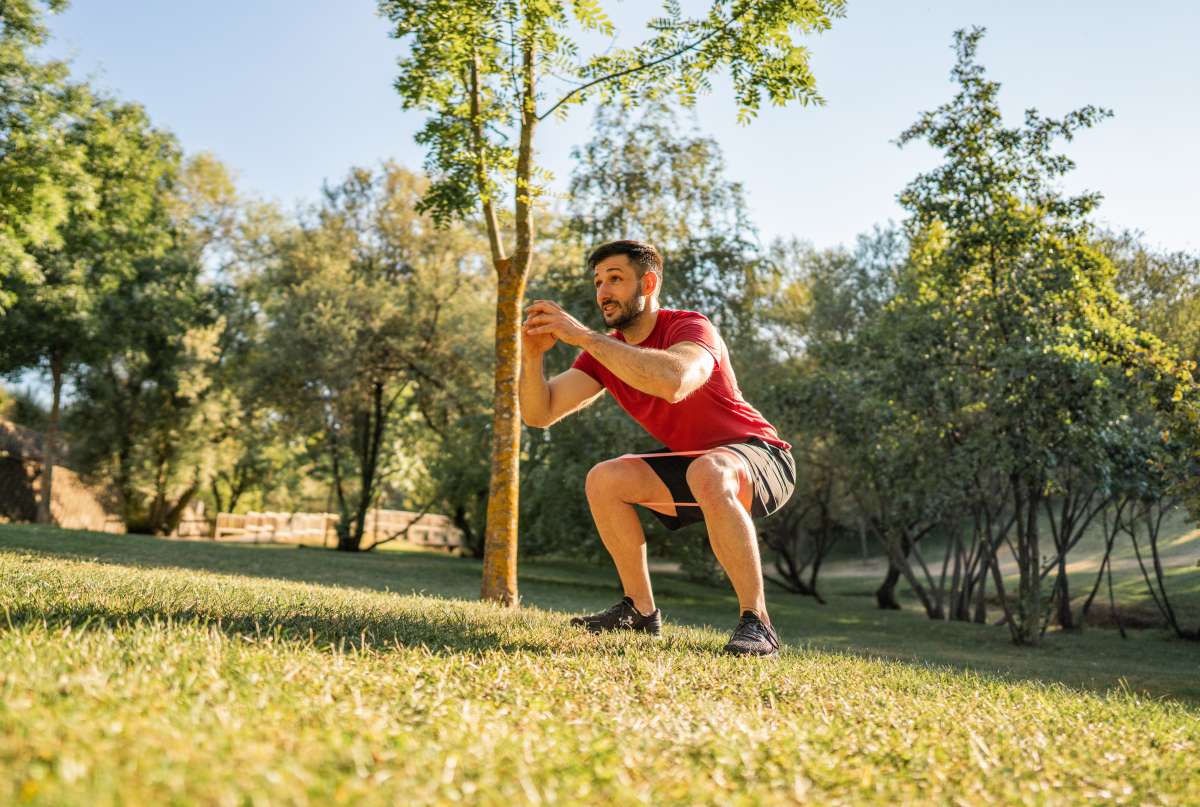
(668, 454)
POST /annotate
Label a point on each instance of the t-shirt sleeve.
(586, 362)
(695, 328)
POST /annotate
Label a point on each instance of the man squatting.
(670, 371)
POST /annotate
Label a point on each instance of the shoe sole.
(595, 631)
(729, 651)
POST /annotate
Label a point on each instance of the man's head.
(628, 276)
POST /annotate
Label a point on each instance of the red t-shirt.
(713, 415)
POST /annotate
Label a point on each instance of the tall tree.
(118, 218)
(1012, 312)
(43, 177)
(147, 405)
(365, 312)
(41, 170)
(490, 72)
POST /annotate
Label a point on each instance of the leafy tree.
(1013, 310)
(151, 408)
(820, 302)
(42, 173)
(41, 169)
(139, 413)
(647, 177)
(247, 455)
(368, 322)
(118, 218)
(487, 73)
(1162, 287)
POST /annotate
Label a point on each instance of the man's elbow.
(682, 388)
(678, 392)
(544, 421)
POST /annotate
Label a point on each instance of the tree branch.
(646, 65)
(489, 211)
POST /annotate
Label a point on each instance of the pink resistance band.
(668, 454)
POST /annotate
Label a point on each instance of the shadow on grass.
(438, 633)
(1095, 661)
(401, 572)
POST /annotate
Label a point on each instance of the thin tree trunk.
(495, 242)
(900, 560)
(1066, 618)
(983, 545)
(500, 541)
(500, 536)
(214, 487)
(344, 526)
(372, 441)
(1112, 604)
(1109, 540)
(50, 443)
(174, 516)
(980, 617)
(885, 595)
(1029, 599)
(237, 486)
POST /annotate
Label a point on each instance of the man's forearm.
(533, 392)
(655, 372)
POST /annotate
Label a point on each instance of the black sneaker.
(622, 616)
(752, 637)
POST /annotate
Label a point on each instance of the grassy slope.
(139, 670)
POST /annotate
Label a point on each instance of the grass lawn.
(141, 671)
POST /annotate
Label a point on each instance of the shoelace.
(615, 610)
(756, 630)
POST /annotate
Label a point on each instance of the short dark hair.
(643, 255)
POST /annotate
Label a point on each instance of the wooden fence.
(320, 529)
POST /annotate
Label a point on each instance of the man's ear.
(650, 283)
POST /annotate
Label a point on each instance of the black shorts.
(771, 467)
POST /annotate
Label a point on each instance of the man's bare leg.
(721, 483)
(613, 487)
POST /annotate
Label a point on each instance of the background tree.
(1162, 287)
(486, 71)
(1016, 313)
(147, 403)
(116, 220)
(41, 170)
(245, 454)
(44, 179)
(813, 306)
(366, 323)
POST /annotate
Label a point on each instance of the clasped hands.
(546, 322)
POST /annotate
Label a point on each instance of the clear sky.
(290, 93)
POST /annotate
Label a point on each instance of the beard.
(625, 314)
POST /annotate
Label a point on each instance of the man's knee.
(713, 477)
(604, 478)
